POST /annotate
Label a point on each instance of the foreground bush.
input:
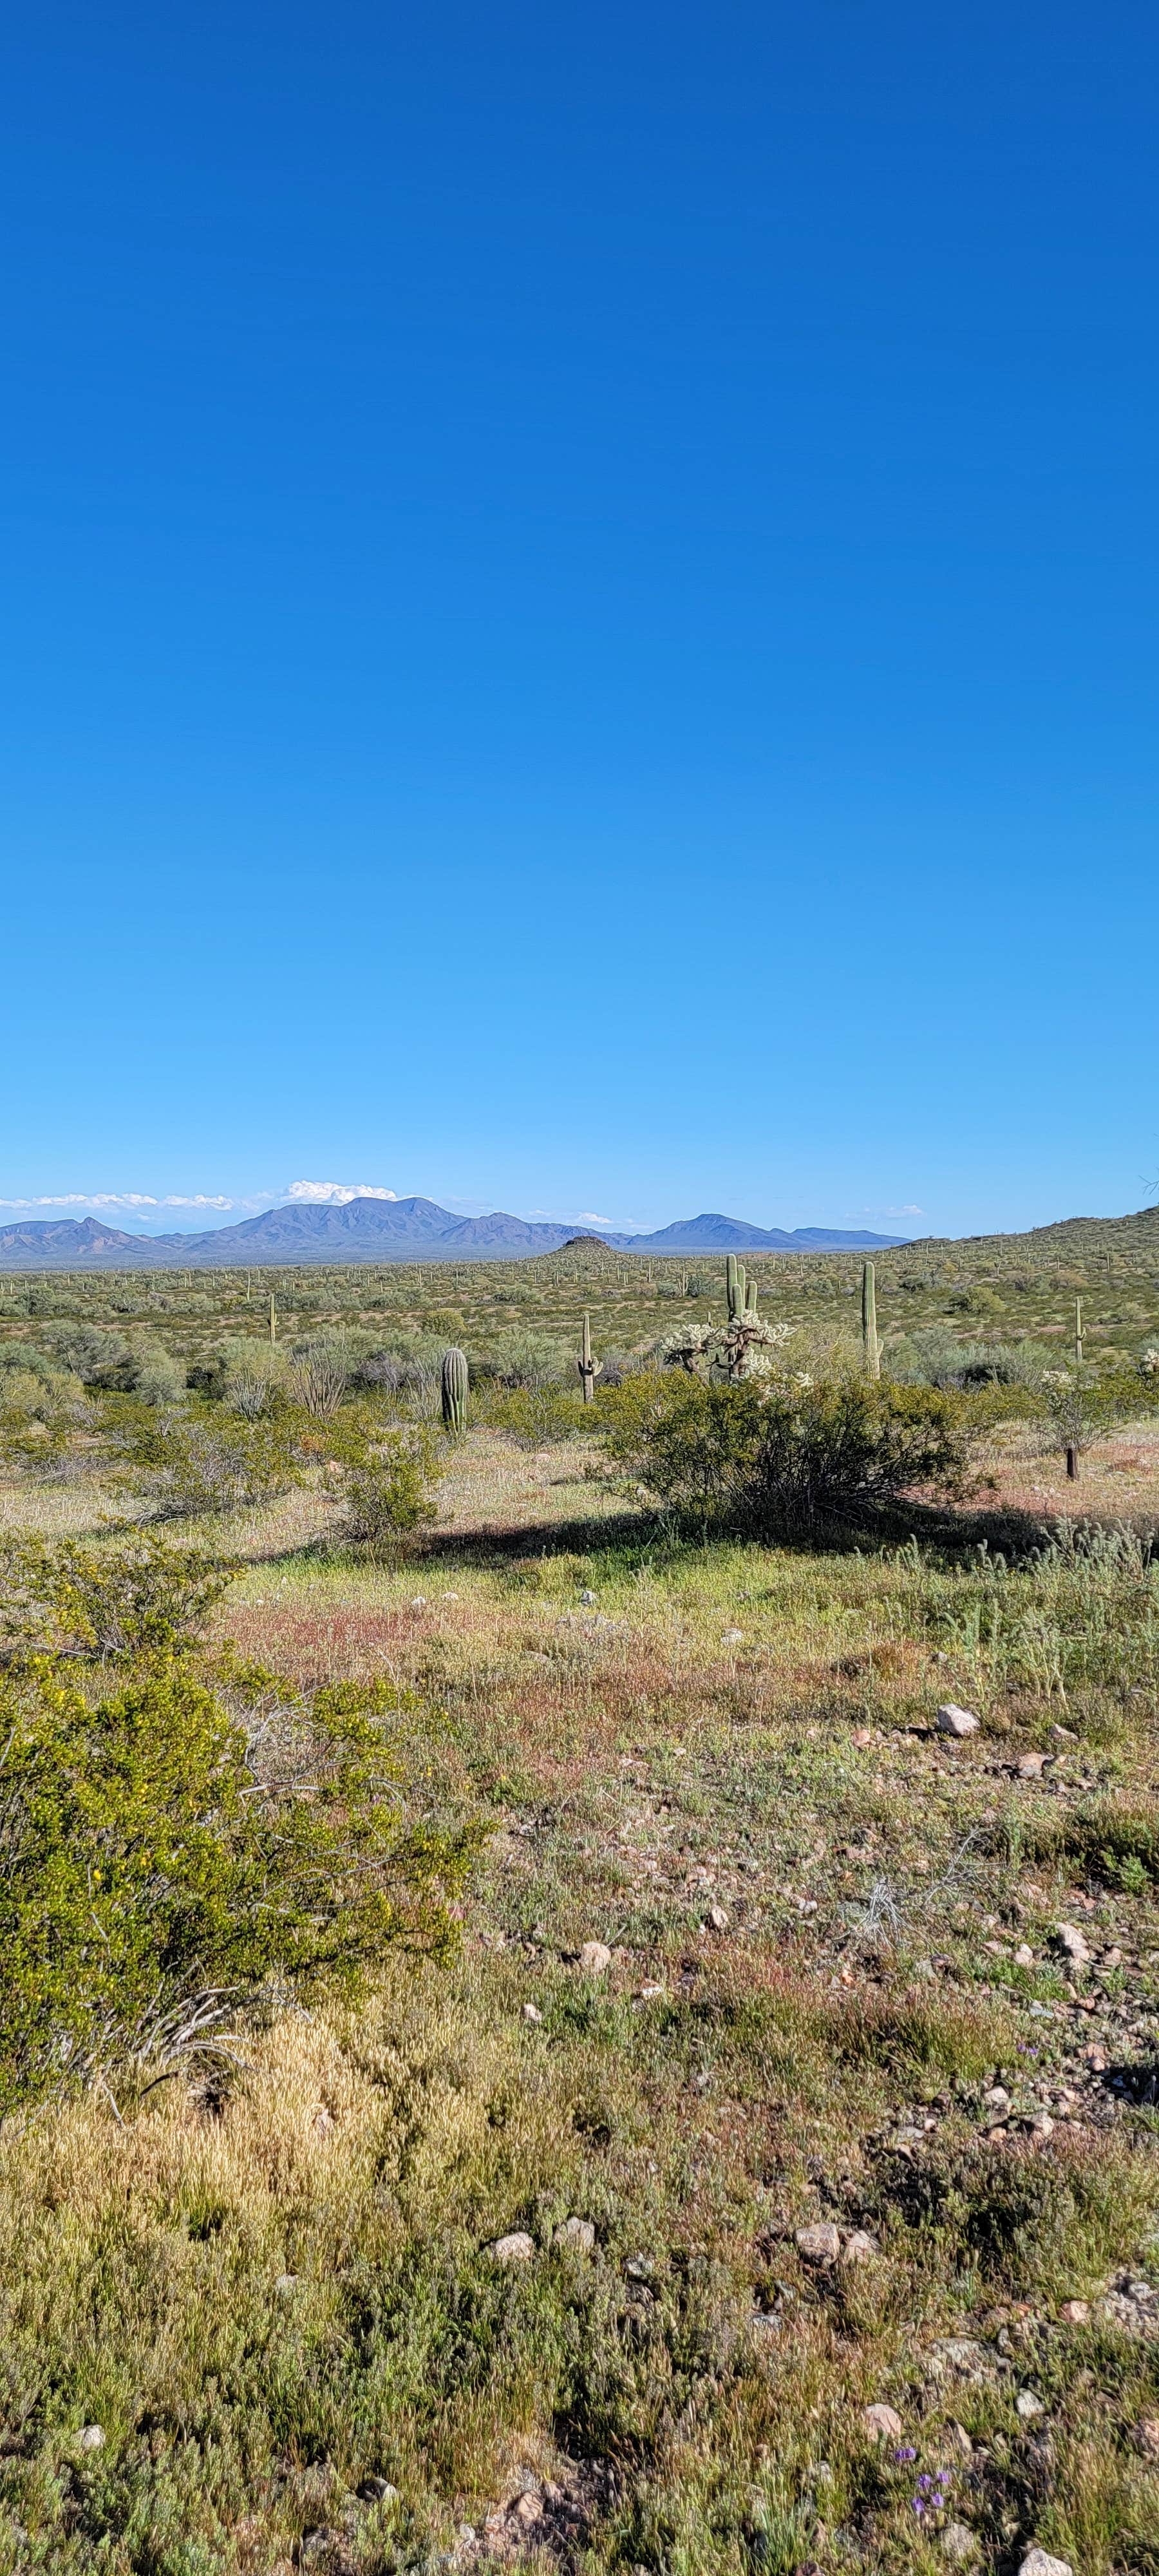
(173, 1847)
(388, 1492)
(780, 1460)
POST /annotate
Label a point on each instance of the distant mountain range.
(379, 1230)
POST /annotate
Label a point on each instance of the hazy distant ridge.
(376, 1230)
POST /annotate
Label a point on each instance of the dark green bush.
(163, 1859)
(785, 1460)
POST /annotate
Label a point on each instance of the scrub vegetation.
(524, 2039)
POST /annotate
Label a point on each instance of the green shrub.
(134, 1596)
(780, 1460)
(532, 1415)
(387, 1495)
(202, 1459)
(162, 1862)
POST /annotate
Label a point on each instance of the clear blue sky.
(580, 605)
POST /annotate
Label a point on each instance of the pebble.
(718, 1918)
(1038, 2562)
(594, 1958)
(882, 2421)
(952, 1720)
(648, 1994)
(1071, 1940)
(959, 2543)
(733, 1637)
(997, 2098)
(532, 2013)
(516, 2248)
(818, 2244)
(378, 2491)
(1030, 1766)
(1075, 2312)
(587, 1599)
(579, 2233)
(91, 2438)
(1027, 2405)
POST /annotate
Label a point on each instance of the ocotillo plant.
(871, 1348)
(589, 1369)
(456, 1388)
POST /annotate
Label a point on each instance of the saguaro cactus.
(456, 1388)
(734, 1281)
(750, 1297)
(1078, 1332)
(871, 1348)
(273, 1321)
(589, 1369)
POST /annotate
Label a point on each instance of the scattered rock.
(862, 1735)
(649, 1994)
(958, 2543)
(587, 1599)
(1042, 2126)
(1063, 1735)
(733, 1637)
(1024, 1955)
(286, 2284)
(859, 2246)
(1074, 1943)
(594, 1958)
(883, 2422)
(532, 2013)
(519, 2247)
(91, 2438)
(820, 2243)
(1145, 2436)
(378, 2491)
(952, 1720)
(419, 1602)
(316, 2543)
(1030, 1766)
(578, 2233)
(1027, 2405)
(996, 2098)
(718, 1918)
(1075, 2312)
(959, 2354)
(1038, 2562)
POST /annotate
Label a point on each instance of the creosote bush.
(777, 1459)
(173, 1848)
(387, 1496)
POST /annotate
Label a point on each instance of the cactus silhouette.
(589, 1369)
(871, 1348)
(456, 1388)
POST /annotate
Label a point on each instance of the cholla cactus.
(744, 1347)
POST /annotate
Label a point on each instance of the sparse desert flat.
(759, 2167)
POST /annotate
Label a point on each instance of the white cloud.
(336, 1193)
(127, 1199)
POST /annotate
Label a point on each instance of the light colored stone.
(532, 2013)
(1073, 1941)
(587, 1599)
(733, 1637)
(91, 2438)
(1038, 2562)
(820, 2243)
(718, 1918)
(952, 1720)
(883, 2422)
(1027, 2405)
(859, 2246)
(996, 2098)
(959, 2544)
(1145, 2436)
(1024, 1955)
(519, 2247)
(595, 1957)
(1030, 1766)
(1075, 2312)
(378, 2491)
(961, 2354)
(578, 2233)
